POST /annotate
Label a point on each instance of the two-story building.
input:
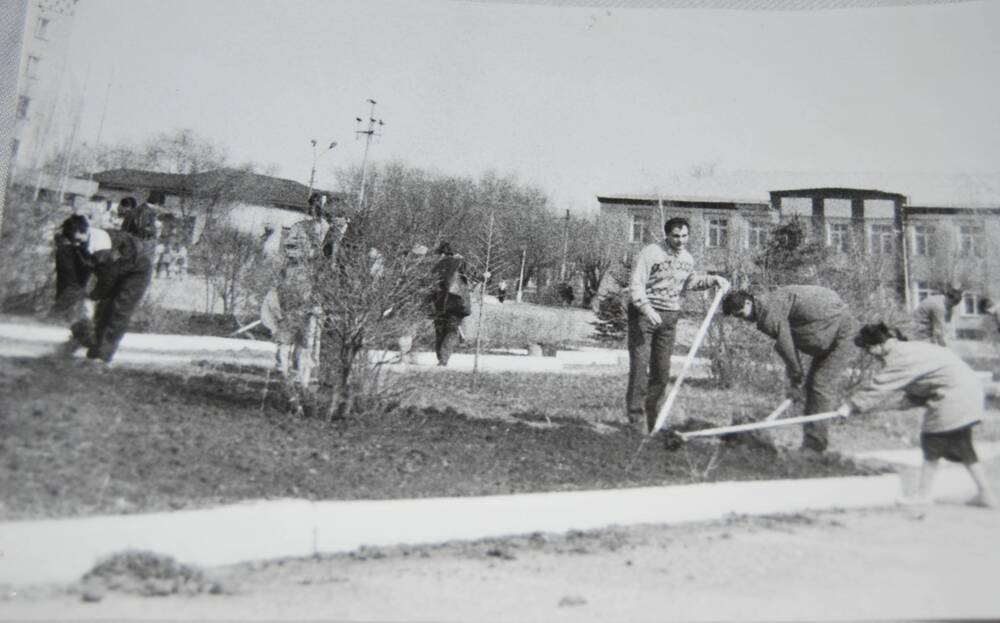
(918, 249)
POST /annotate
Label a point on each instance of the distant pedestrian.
(935, 378)
(661, 274)
(502, 290)
(126, 205)
(164, 260)
(814, 321)
(933, 317)
(292, 310)
(143, 222)
(993, 311)
(179, 265)
(450, 301)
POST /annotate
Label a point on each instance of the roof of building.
(235, 184)
(131, 179)
(680, 199)
(969, 190)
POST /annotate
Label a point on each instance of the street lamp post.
(312, 173)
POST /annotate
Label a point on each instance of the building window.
(838, 236)
(923, 240)
(42, 27)
(973, 304)
(970, 241)
(756, 235)
(718, 233)
(23, 102)
(922, 289)
(639, 230)
(881, 239)
(31, 68)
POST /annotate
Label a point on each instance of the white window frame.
(23, 106)
(717, 227)
(42, 27)
(634, 219)
(31, 66)
(842, 237)
(923, 236)
(970, 300)
(971, 239)
(884, 234)
(922, 289)
(756, 235)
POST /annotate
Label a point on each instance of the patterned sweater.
(929, 375)
(660, 275)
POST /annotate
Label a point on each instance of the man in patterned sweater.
(661, 273)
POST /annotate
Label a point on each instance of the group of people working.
(102, 275)
(814, 321)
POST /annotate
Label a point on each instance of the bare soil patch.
(78, 440)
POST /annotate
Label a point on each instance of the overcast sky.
(581, 101)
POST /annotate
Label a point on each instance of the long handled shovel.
(773, 415)
(661, 417)
(740, 428)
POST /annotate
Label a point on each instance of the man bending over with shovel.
(808, 319)
(661, 273)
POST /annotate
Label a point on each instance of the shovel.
(741, 428)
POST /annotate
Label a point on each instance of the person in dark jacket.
(449, 300)
(143, 221)
(74, 267)
(932, 318)
(123, 272)
(812, 320)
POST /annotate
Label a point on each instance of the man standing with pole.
(660, 274)
(812, 320)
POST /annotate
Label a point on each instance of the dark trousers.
(649, 350)
(113, 313)
(72, 275)
(824, 383)
(445, 337)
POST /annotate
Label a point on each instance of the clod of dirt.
(502, 554)
(672, 441)
(144, 573)
(753, 439)
(92, 592)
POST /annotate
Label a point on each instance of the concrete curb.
(61, 550)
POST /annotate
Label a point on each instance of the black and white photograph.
(499, 310)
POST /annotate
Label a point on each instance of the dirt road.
(897, 563)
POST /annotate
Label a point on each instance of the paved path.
(893, 564)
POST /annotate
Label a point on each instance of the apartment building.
(48, 26)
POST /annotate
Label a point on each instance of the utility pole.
(374, 129)
(312, 172)
(562, 271)
(482, 302)
(520, 277)
(100, 126)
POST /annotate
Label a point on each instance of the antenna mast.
(374, 129)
